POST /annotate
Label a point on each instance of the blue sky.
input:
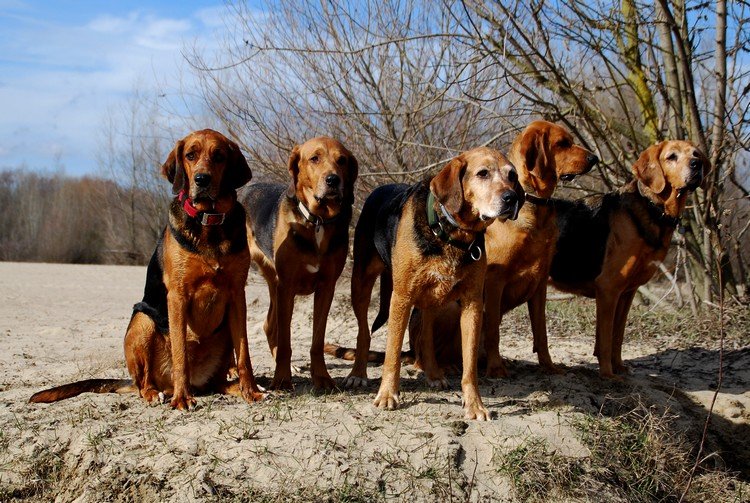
(65, 65)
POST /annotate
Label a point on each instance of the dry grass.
(634, 456)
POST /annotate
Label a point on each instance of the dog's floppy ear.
(353, 173)
(239, 172)
(706, 168)
(447, 185)
(293, 167)
(173, 170)
(648, 168)
(533, 150)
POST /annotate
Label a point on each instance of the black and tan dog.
(612, 244)
(190, 327)
(299, 239)
(519, 252)
(427, 241)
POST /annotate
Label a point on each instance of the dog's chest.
(440, 284)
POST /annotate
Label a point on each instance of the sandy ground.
(60, 323)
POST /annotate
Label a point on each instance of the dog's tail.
(407, 357)
(386, 290)
(88, 386)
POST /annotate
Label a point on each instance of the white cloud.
(58, 81)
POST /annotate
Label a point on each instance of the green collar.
(475, 248)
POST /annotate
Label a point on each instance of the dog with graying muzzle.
(426, 242)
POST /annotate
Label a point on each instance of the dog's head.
(671, 170)
(206, 165)
(545, 153)
(477, 187)
(323, 174)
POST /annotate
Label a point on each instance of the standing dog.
(427, 241)
(519, 252)
(299, 239)
(190, 327)
(612, 244)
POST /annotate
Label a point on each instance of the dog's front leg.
(238, 328)
(177, 311)
(618, 331)
(471, 325)
(492, 316)
(435, 375)
(282, 377)
(606, 302)
(388, 394)
(323, 299)
(537, 305)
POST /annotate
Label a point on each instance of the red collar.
(193, 212)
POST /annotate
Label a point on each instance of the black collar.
(539, 201)
(657, 213)
(475, 248)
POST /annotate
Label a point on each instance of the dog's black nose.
(333, 180)
(202, 179)
(510, 197)
(696, 164)
(592, 159)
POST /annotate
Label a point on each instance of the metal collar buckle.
(213, 218)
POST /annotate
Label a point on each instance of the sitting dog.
(190, 327)
(299, 238)
(610, 245)
(426, 241)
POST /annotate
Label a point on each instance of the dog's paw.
(611, 377)
(352, 382)
(183, 402)
(497, 371)
(152, 396)
(439, 383)
(552, 369)
(620, 368)
(282, 383)
(476, 411)
(251, 396)
(323, 382)
(386, 400)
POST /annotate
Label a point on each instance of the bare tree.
(135, 142)
(407, 83)
(387, 78)
(624, 75)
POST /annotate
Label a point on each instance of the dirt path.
(60, 323)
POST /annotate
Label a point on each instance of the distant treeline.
(55, 218)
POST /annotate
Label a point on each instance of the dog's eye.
(190, 156)
(672, 157)
(314, 159)
(341, 161)
(564, 143)
(218, 157)
(483, 173)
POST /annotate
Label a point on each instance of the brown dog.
(612, 244)
(190, 326)
(427, 242)
(519, 252)
(299, 239)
